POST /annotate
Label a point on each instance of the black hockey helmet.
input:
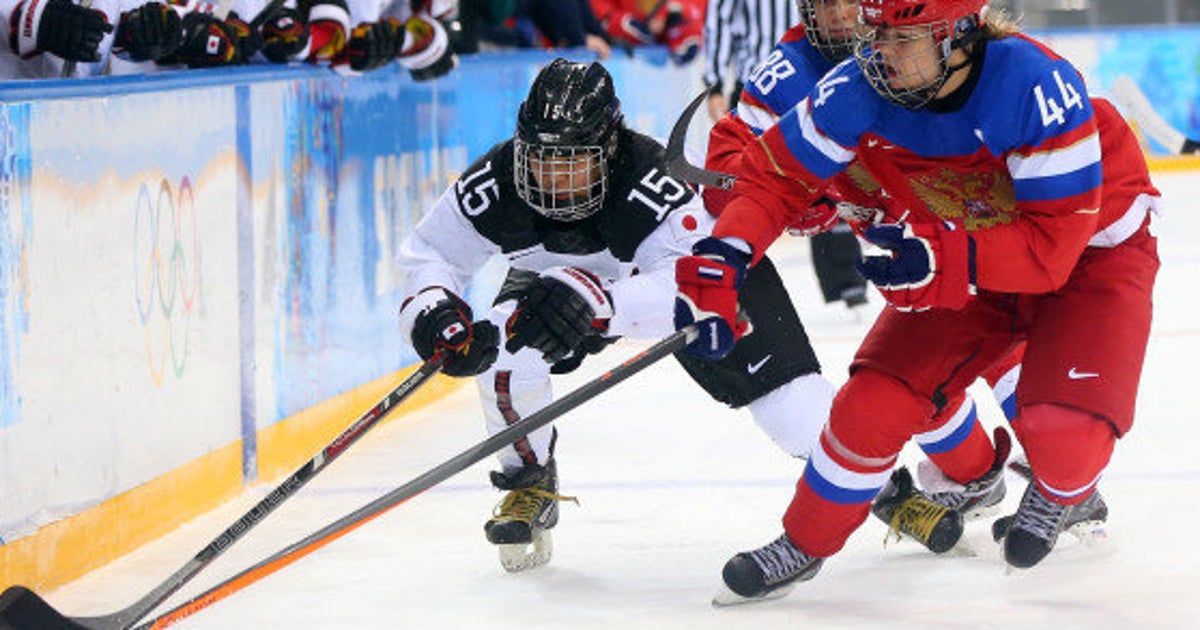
(566, 132)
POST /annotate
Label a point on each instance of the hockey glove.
(58, 27)
(708, 283)
(249, 40)
(625, 28)
(328, 24)
(207, 42)
(561, 307)
(682, 35)
(285, 36)
(148, 33)
(819, 217)
(374, 44)
(591, 344)
(440, 321)
(926, 265)
(426, 50)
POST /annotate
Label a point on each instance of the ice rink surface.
(671, 484)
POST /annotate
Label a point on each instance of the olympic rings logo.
(166, 275)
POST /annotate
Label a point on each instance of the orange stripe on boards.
(1173, 163)
(285, 445)
(69, 548)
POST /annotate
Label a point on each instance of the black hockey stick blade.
(429, 479)
(677, 163)
(22, 609)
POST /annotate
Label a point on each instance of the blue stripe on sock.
(953, 440)
(834, 493)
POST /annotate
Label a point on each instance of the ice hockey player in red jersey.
(964, 473)
(998, 230)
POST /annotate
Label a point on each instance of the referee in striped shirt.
(737, 35)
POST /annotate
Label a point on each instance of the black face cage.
(833, 51)
(563, 183)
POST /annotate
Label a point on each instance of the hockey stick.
(1131, 98)
(680, 168)
(21, 608)
(677, 163)
(442, 472)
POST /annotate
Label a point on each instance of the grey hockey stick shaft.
(21, 608)
(1130, 97)
(442, 472)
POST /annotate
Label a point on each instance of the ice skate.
(1030, 534)
(975, 499)
(765, 573)
(1085, 521)
(909, 511)
(522, 522)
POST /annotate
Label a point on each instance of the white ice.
(671, 484)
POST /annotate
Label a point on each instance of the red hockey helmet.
(893, 24)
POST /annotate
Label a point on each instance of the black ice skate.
(909, 511)
(765, 573)
(977, 498)
(1030, 534)
(522, 521)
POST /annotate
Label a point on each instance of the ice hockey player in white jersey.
(591, 226)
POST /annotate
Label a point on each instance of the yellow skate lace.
(523, 504)
(916, 516)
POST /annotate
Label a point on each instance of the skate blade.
(726, 597)
(1090, 533)
(524, 556)
(980, 513)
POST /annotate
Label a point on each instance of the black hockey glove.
(207, 42)
(441, 321)
(148, 33)
(591, 344)
(249, 40)
(558, 310)
(58, 27)
(285, 35)
(374, 44)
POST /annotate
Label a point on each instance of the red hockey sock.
(956, 443)
(873, 416)
(1067, 449)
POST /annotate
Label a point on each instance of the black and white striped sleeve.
(723, 26)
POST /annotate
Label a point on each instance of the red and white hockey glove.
(819, 217)
(925, 265)
(557, 311)
(708, 283)
(328, 30)
(626, 28)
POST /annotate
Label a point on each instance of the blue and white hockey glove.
(924, 265)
